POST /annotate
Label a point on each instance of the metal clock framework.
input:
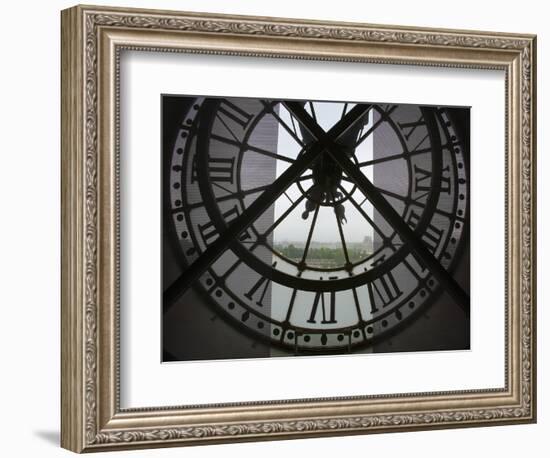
(226, 193)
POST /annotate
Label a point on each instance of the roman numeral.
(262, 284)
(431, 236)
(383, 291)
(423, 181)
(320, 299)
(230, 111)
(209, 232)
(220, 170)
(408, 128)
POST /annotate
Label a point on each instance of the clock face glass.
(305, 227)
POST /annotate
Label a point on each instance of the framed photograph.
(278, 228)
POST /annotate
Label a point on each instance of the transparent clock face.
(301, 227)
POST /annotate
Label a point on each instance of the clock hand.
(340, 209)
(314, 198)
(302, 263)
(340, 212)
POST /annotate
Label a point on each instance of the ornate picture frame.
(92, 41)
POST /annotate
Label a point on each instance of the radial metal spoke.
(284, 215)
(310, 233)
(341, 231)
(232, 195)
(408, 201)
(344, 109)
(313, 111)
(363, 213)
(255, 149)
(349, 180)
(393, 157)
(395, 195)
(374, 127)
(280, 120)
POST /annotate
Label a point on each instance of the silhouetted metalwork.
(222, 228)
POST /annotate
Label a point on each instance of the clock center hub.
(327, 175)
(330, 187)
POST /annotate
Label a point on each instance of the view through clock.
(305, 227)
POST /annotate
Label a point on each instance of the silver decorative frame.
(92, 38)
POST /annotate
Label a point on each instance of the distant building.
(368, 244)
